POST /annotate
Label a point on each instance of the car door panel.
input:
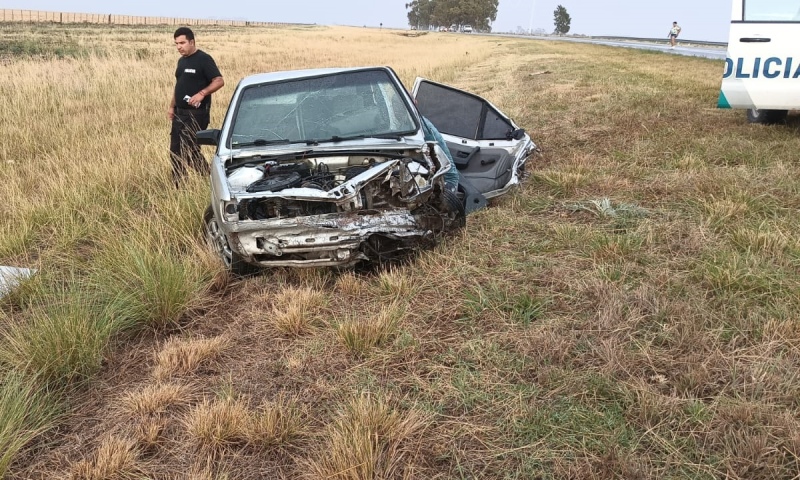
(489, 170)
(487, 147)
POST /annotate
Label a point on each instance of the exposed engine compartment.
(270, 189)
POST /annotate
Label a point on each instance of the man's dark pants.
(183, 147)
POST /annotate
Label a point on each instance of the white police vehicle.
(762, 68)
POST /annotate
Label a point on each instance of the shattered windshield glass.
(345, 105)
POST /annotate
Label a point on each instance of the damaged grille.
(391, 188)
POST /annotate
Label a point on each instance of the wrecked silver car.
(331, 167)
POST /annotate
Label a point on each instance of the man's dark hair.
(184, 31)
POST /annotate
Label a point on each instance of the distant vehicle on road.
(763, 63)
(467, 29)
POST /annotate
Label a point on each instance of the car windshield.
(365, 103)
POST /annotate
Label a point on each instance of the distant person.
(197, 77)
(673, 34)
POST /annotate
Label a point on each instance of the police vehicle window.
(772, 10)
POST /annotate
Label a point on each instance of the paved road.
(705, 51)
(689, 50)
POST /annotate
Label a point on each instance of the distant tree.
(432, 13)
(561, 19)
(420, 13)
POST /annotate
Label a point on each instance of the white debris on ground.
(11, 276)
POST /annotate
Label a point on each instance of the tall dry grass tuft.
(361, 334)
(149, 434)
(208, 469)
(218, 424)
(115, 458)
(297, 310)
(184, 356)
(350, 284)
(154, 399)
(398, 284)
(276, 423)
(369, 438)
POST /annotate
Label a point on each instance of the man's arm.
(171, 109)
(216, 84)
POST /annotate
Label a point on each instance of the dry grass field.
(631, 312)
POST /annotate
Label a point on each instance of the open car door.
(488, 148)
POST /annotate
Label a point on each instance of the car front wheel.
(766, 117)
(455, 209)
(219, 243)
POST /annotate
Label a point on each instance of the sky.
(699, 19)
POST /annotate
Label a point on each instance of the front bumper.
(336, 239)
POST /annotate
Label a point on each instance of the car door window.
(772, 10)
(461, 114)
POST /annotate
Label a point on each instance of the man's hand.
(171, 113)
(197, 99)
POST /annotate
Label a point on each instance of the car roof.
(293, 74)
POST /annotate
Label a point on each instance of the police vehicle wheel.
(766, 117)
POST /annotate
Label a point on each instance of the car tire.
(766, 117)
(455, 207)
(219, 243)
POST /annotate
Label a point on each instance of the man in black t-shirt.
(197, 77)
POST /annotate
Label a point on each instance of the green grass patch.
(60, 343)
(503, 303)
(26, 411)
(141, 287)
(43, 46)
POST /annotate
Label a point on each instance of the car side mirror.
(208, 137)
(517, 134)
